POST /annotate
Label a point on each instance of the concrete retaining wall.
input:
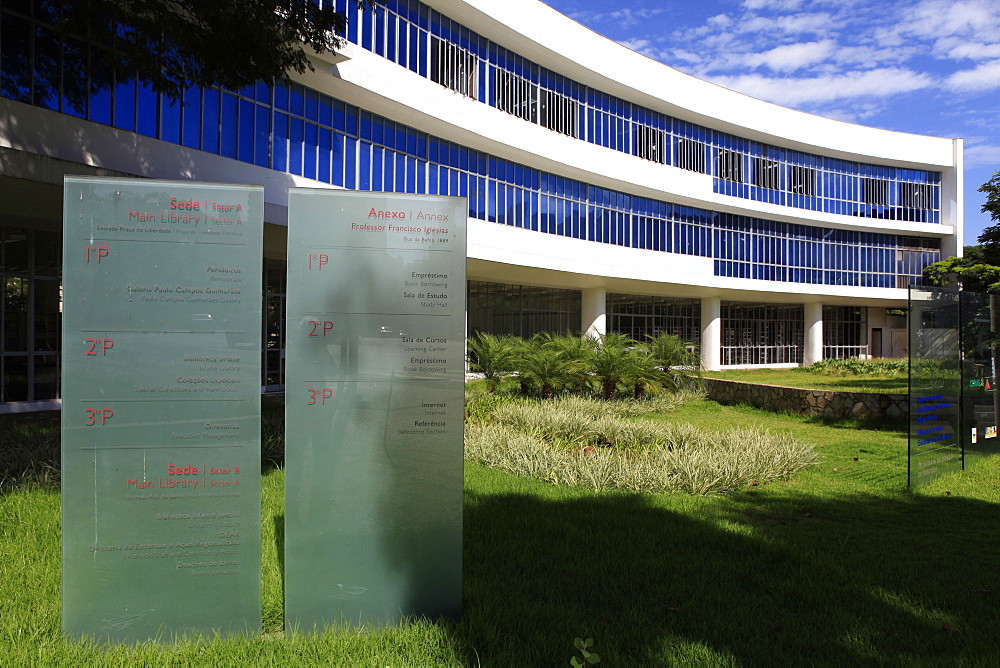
(806, 402)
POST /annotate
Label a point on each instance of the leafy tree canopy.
(979, 268)
(990, 238)
(175, 44)
(971, 271)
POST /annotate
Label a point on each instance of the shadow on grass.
(758, 580)
(29, 450)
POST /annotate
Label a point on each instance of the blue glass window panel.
(170, 120)
(210, 120)
(229, 126)
(432, 179)
(279, 148)
(325, 111)
(295, 145)
(350, 160)
(46, 75)
(390, 35)
(262, 136)
(191, 115)
(146, 102)
(491, 201)
(388, 171)
(422, 55)
(402, 33)
(365, 167)
(312, 105)
(413, 58)
(281, 95)
(324, 159)
(310, 150)
(411, 175)
(296, 100)
(245, 150)
(366, 21)
(400, 173)
(365, 129)
(263, 93)
(124, 113)
(352, 24)
(74, 102)
(339, 159)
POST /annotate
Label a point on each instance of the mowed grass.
(803, 377)
(838, 566)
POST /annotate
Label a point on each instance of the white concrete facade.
(38, 145)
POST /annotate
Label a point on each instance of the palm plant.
(494, 356)
(676, 357)
(615, 363)
(543, 366)
(647, 375)
(579, 350)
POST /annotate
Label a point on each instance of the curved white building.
(607, 192)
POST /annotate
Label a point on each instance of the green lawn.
(804, 378)
(839, 566)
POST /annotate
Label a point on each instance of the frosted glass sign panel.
(935, 443)
(161, 408)
(374, 403)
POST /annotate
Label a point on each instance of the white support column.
(711, 333)
(813, 351)
(594, 312)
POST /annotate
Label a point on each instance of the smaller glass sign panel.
(374, 407)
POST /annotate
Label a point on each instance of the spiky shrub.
(494, 356)
(613, 363)
(678, 359)
(543, 367)
(576, 441)
(877, 366)
(684, 460)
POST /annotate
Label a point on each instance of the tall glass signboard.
(161, 408)
(935, 444)
(374, 407)
(981, 401)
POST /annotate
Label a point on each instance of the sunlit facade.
(606, 191)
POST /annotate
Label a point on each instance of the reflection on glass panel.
(762, 333)
(644, 316)
(46, 385)
(522, 310)
(15, 314)
(935, 384)
(15, 64)
(48, 253)
(15, 378)
(47, 315)
(16, 251)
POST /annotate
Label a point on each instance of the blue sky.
(923, 66)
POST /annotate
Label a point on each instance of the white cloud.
(779, 5)
(643, 46)
(982, 155)
(865, 87)
(959, 49)
(983, 77)
(791, 57)
(719, 21)
(790, 24)
(941, 18)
